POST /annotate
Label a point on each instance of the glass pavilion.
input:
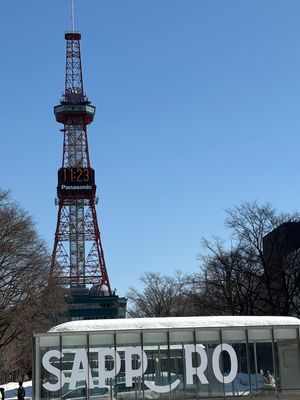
(169, 358)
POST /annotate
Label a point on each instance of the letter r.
(190, 370)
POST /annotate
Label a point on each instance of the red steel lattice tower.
(77, 259)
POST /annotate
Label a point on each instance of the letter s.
(52, 387)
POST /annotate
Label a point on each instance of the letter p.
(108, 373)
(143, 362)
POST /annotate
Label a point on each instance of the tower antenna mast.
(72, 17)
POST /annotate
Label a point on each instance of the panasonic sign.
(75, 187)
(81, 370)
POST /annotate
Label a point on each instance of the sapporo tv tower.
(78, 259)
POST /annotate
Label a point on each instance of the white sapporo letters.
(52, 387)
(81, 373)
(81, 370)
(130, 372)
(199, 370)
(104, 374)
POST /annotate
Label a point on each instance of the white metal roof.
(128, 324)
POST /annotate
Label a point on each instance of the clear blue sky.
(198, 109)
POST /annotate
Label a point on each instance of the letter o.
(216, 363)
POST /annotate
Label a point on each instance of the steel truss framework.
(77, 258)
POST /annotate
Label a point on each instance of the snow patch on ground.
(12, 387)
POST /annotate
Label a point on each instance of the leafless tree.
(229, 283)
(161, 296)
(245, 280)
(27, 302)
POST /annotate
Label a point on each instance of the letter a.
(81, 374)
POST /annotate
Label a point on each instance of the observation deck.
(66, 111)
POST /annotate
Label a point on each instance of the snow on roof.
(173, 323)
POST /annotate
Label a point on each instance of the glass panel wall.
(157, 377)
(47, 349)
(75, 366)
(208, 340)
(241, 384)
(262, 361)
(180, 341)
(129, 381)
(103, 363)
(179, 364)
(286, 344)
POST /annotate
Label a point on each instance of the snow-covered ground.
(11, 390)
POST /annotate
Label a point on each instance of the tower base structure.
(86, 304)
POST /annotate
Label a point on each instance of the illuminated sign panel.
(76, 181)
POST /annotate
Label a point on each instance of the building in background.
(281, 254)
(282, 241)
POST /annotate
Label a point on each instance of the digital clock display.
(76, 182)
